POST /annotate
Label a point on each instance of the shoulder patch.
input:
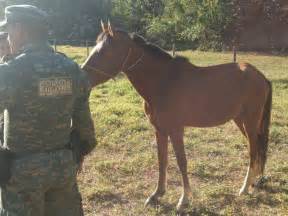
(53, 87)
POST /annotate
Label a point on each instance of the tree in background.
(188, 23)
(135, 15)
(74, 19)
(199, 23)
(71, 19)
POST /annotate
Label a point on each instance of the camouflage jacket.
(46, 95)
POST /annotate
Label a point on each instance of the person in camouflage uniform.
(4, 53)
(46, 97)
(4, 45)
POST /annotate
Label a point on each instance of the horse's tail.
(263, 137)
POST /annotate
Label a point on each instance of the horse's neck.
(146, 78)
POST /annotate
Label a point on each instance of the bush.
(188, 23)
(202, 23)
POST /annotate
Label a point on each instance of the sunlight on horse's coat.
(178, 94)
(96, 49)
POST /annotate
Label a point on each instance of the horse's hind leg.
(162, 144)
(251, 173)
(251, 129)
(178, 146)
(240, 124)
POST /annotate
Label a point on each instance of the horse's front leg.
(178, 145)
(162, 143)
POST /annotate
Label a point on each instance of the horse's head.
(109, 56)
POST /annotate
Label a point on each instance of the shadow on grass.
(225, 197)
(264, 195)
(266, 199)
(280, 82)
(170, 209)
(221, 200)
(208, 173)
(275, 190)
(200, 211)
(104, 197)
(164, 208)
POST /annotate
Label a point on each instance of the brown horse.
(178, 94)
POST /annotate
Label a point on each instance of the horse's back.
(209, 96)
(222, 76)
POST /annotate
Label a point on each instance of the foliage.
(198, 23)
(137, 13)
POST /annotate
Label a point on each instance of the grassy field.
(122, 171)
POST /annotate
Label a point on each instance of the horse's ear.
(110, 30)
(103, 26)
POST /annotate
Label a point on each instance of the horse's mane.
(153, 48)
(150, 47)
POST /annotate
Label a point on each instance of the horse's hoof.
(151, 201)
(181, 208)
(182, 204)
(243, 191)
(260, 183)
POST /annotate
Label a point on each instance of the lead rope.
(133, 65)
(136, 63)
(100, 72)
(126, 59)
(122, 67)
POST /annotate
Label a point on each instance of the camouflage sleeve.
(82, 119)
(7, 86)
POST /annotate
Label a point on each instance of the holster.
(6, 158)
(75, 146)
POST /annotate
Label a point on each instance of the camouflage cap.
(27, 14)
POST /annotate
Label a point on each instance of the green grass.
(122, 171)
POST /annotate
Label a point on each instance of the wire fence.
(89, 43)
(81, 43)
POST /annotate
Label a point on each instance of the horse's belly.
(205, 123)
(208, 115)
(208, 101)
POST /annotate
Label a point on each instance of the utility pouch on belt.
(5, 166)
(75, 146)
